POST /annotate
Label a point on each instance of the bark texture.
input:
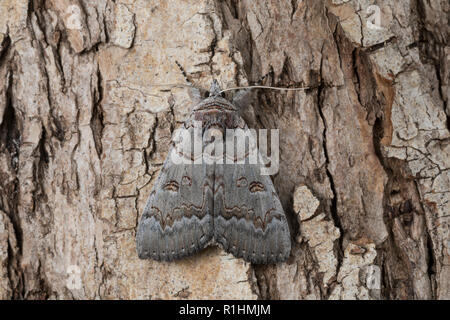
(88, 105)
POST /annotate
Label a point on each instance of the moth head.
(215, 89)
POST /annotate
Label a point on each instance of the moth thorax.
(216, 128)
(215, 120)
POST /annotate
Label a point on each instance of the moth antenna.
(258, 85)
(183, 72)
(266, 87)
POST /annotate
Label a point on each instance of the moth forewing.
(177, 220)
(249, 221)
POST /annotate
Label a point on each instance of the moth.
(198, 203)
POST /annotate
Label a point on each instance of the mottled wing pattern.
(249, 221)
(192, 205)
(177, 220)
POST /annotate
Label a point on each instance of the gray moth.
(193, 205)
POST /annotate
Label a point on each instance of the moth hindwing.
(197, 200)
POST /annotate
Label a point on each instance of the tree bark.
(88, 103)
